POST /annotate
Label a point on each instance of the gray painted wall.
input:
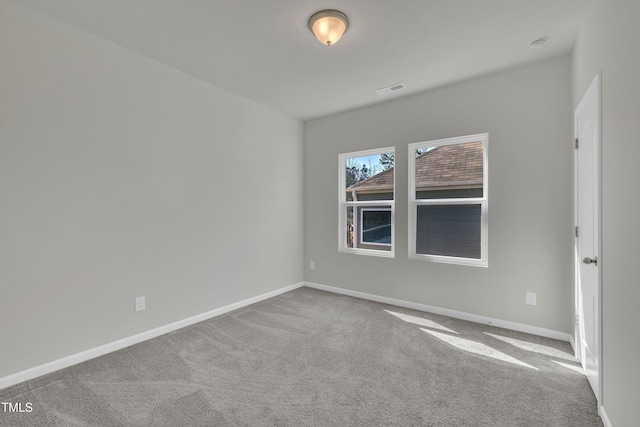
(609, 43)
(528, 115)
(122, 177)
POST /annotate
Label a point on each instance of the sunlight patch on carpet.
(477, 348)
(420, 321)
(536, 348)
(574, 368)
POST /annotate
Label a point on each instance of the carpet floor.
(313, 358)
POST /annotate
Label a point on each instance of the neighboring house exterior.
(444, 172)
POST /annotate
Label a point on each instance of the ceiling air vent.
(389, 89)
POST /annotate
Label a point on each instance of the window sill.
(451, 260)
(368, 252)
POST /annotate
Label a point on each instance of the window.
(366, 202)
(448, 200)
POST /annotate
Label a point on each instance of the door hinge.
(576, 231)
(576, 143)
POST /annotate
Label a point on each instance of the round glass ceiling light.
(328, 26)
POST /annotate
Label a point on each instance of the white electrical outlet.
(312, 265)
(531, 298)
(140, 304)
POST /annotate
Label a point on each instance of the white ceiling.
(263, 50)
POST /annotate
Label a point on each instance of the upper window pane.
(369, 177)
(450, 171)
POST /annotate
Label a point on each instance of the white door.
(588, 263)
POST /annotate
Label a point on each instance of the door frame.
(595, 89)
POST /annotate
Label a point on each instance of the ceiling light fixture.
(328, 26)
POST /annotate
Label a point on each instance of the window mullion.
(460, 201)
(370, 203)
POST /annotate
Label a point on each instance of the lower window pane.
(449, 230)
(376, 226)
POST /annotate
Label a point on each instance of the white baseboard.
(605, 418)
(74, 359)
(534, 330)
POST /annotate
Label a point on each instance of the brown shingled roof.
(381, 182)
(447, 166)
(450, 165)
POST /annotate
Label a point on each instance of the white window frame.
(482, 201)
(372, 209)
(343, 204)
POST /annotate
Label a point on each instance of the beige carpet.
(312, 358)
